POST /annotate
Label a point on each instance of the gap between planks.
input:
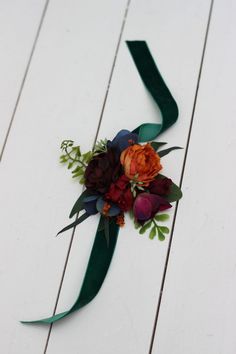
(24, 77)
(95, 139)
(181, 178)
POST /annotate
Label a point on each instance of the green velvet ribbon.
(155, 84)
(101, 254)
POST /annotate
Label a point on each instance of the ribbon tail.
(98, 265)
(155, 84)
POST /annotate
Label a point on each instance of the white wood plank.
(120, 319)
(19, 21)
(62, 98)
(198, 312)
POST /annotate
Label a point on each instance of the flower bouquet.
(122, 176)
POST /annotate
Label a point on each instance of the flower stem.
(73, 159)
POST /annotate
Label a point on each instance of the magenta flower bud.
(146, 205)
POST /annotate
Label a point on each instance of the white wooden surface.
(62, 98)
(198, 311)
(19, 22)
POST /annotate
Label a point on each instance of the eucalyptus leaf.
(113, 211)
(167, 151)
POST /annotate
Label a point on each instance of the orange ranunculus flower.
(141, 163)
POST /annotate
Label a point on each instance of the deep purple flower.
(102, 170)
(146, 205)
(160, 186)
(122, 140)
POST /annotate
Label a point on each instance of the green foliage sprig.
(73, 157)
(101, 146)
(155, 228)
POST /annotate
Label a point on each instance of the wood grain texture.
(19, 22)
(120, 319)
(198, 310)
(62, 98)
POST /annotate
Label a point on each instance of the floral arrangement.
(122, 176)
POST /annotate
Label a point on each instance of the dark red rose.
(120, 193)
(160, 186)
(102, 170)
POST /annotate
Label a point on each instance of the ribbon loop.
(155, 84)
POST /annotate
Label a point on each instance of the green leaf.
(153, 233)
(79, 204)
(136, 224)
(87, 156)
(175, 192)
(162, 217)
(156, 145)
(167, 151)
(78, 173)
(63, 158)
(148, 224)
(142, 230)
(161, 236)
(75, 223)
(164, 229)
(70, 165)
(76, 150)
(145, 227)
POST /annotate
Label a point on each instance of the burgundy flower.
(160, 186)
(102, 170)
(121, 194)
(146, 205)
